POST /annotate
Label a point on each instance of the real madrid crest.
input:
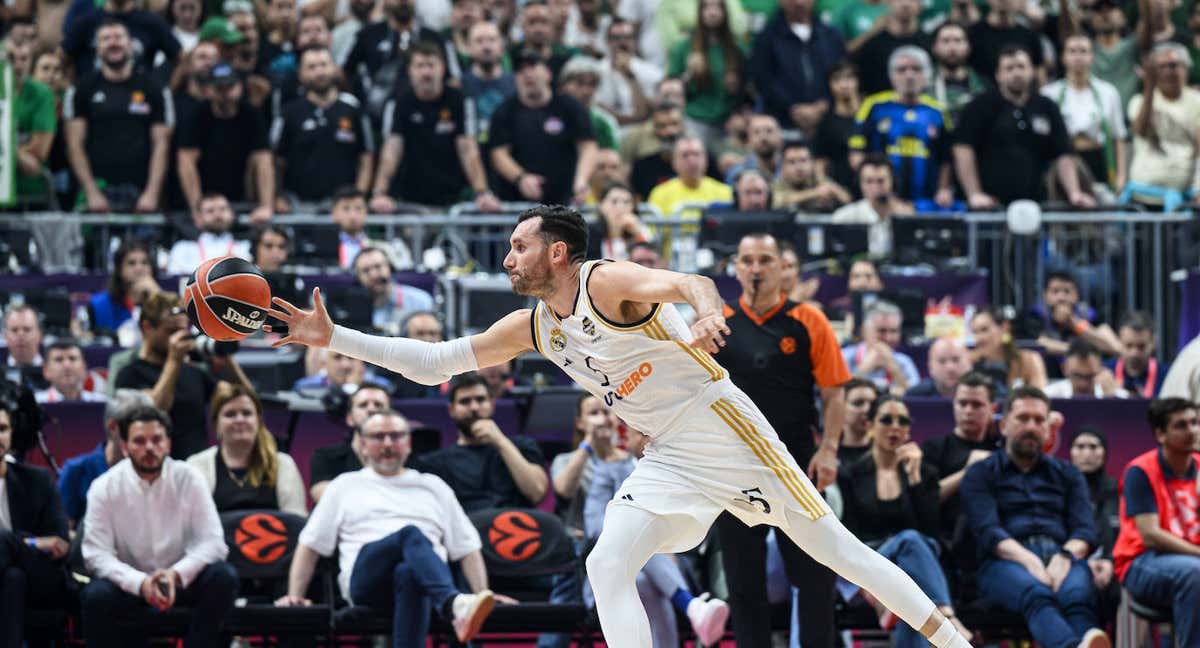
(558, 341)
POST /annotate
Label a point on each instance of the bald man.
(948, 361)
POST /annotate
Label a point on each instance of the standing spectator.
(586, 27)
(322, 140)
(147, 30)
(378, 60)
(392, 300)
(543, 147)
(118, 129)
(383, 522)
(343, 35)
(948, 362)
(1157, 556)
(608, 170)
(690, 185)
(1085, 376)
(712, 64)
(67, 372)
(1136, 369)
(190, 93)
(618, 227)
(486, 468)
(1031, 516)
(996, 353)
(222, 143)
(214, 218)
(542, 39)
(79, 472)
(854, 20)
(1117, 55)
(878, 206)
(830, 144)
(579, 79)
(649, 148)
(876, 357)
(184, 17)
(751, 191)
(954, 83)
(35, 121)
(801, 186)
(245, 470)
(1063, 318)
(429, 140)
(312, 33)
(999, 31)
(346, 456)
(485, 83)
(1091, 110)
(910, 128)
(1010, 136)
(856, 441)
(23, 340)
(765, 144)
(900, 26)
(627, 84)
(275, 50)
(181, 562)
(790, 67)
(1166, 129)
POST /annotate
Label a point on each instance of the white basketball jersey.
(646, 371)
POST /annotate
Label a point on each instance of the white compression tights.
(631, 535)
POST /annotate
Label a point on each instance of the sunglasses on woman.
(888, 419)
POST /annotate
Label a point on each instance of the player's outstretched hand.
(309, 327)
(709, 333)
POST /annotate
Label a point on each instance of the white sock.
(946, 636)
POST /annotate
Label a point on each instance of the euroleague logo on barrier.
(515, 536)
(261, 537)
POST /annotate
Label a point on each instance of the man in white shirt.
(152, 536)
(67, 372)
(215, 219)
(394, 529)
(628, 83)
(878, 205)
(1086, 377)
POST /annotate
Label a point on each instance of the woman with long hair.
(996, 354)
(618, 227)
(245, 470)
(131, 281)
(571, 472)
(712, 64)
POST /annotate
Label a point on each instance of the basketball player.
(611, 327)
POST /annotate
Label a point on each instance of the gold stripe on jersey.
(762, 449)
(537, 327)
(655, 331)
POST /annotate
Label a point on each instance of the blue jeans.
(1055, 619)
(1169, 580)
(403, 575)
(210, 598)
(917, 555)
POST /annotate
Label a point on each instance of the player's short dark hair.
(348, 192)
(1024, 392)
(465, 381)
(560, 223)
(973, 379)
(859, 383)
(1160, 411)
(143, 414)
(1137, 321)
(1060, 275)
(1082, 349)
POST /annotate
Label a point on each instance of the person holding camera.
(177, 386)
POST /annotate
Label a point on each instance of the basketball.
(227, 298)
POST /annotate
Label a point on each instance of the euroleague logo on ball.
(515, 536)
(262, 538)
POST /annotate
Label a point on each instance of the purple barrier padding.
(963, 289)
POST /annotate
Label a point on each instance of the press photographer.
(179, 371)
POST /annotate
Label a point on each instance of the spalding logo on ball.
(227, 298)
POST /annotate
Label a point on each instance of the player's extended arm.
(621, 283)
(422, 362)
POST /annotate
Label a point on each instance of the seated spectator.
(1089, 454)
(1063, 317)
(499, 379)
(766, 141)
(891, 504)
(1157, 555)
(337, 371)
(1091, 110)
(1164, 125)
(349, 213)
(1002, 26)
(751, 191)
(618, 227)
(269, 248)
(878, 206)
(542, 143)
(117, 147)
(1136, 369)
(33, 540)
(79, 472)
(901, 27)
(486, 468)
(876, 357)
(346, 456)
(1085, 376)
(82, 39)
(954, 83)
(35, 122)
(595, 441)
(996, 353)
(322, 139)
(909, 127)
(542, 38)
(392, 301)
(429, 157)
(649, 148)
(181, 562)
(1010, 136)
(830, 144)
(608, 170)
(377, 70)
(67, 372)
(790, 66)
(222, 143)
(1031, 517)
(948, 362)
(690, 185)
(579, 79)
(424, 325)
(23, 341)
(862, 277)
(486, 82)
(131, 282)
(856, 437)
(246, 470)
(627, 84)
(796, 288)
(801, 186)
(382, 521)
(214, 218)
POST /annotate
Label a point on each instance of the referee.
(780, 354)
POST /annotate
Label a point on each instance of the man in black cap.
(217, 145)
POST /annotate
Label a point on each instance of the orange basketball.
(227, 298)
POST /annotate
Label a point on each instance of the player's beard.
(534, 282)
